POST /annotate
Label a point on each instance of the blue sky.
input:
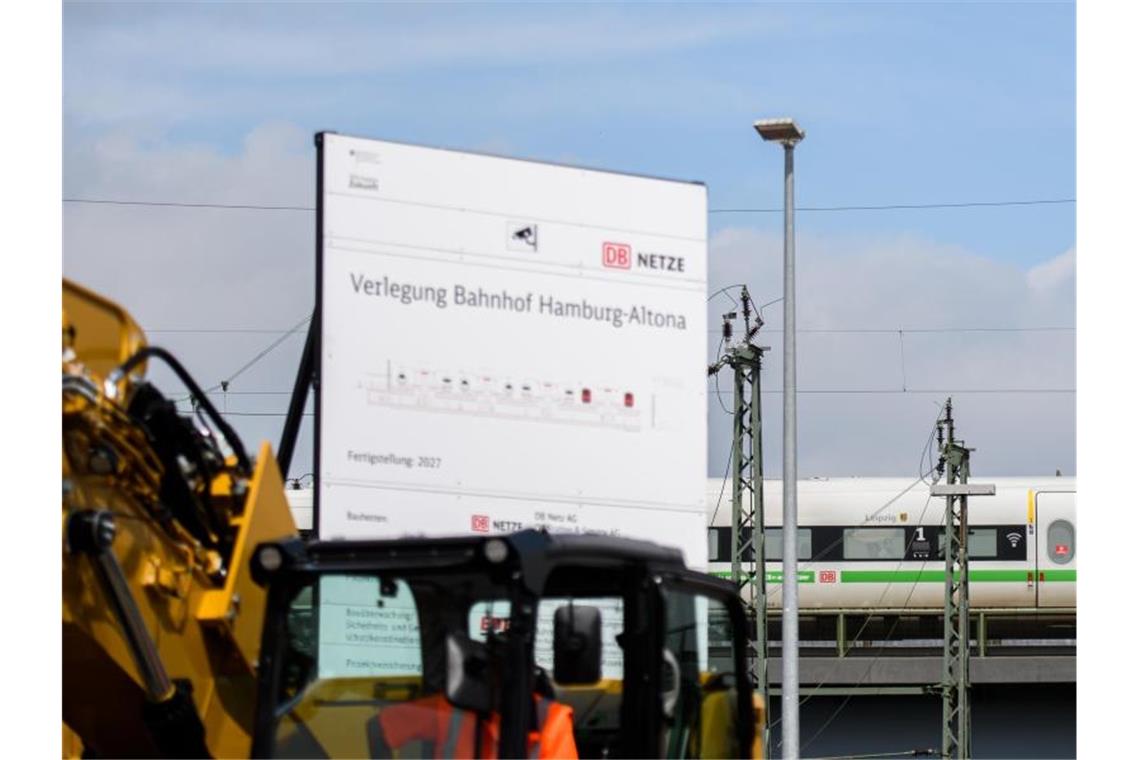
(903, 103)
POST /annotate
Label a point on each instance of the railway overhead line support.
(954, 463)
(747, 536)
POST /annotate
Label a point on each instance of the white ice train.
(872, 543)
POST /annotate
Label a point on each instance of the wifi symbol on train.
(1014, 538)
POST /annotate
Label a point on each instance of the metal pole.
(790, 685)
(955, 458)
(301, 385)
(748, 568)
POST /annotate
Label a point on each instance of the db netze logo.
(617, 255)
(827, 576)
(481, 523)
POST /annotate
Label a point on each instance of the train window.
(720, 544)
(982, 543)
(1061, 540)
(774, 544)
(873, 543)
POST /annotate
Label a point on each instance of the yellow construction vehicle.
(471, 631)
(197, 623)
(161, 622)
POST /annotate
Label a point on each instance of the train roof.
(858, 501)
(837, 485)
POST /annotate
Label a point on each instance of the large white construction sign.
(508, 344)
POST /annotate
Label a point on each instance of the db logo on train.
(481, 523)
(617, 255)
(827, 576)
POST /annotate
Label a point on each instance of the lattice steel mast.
(954, 463)
(747, 549)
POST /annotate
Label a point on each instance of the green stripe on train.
(1061, 575)
(920, 576)
(802, 576)
(773, 576)
(939, 576)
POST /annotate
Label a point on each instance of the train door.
(1056, 534)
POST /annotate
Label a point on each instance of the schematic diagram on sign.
(423, 388)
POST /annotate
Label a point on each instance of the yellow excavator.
(161, 511)
(197, 623)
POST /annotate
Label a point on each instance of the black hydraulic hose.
(91, 532)
(195, 391)
(169, 712)
(142, 648)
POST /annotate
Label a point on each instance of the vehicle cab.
(452, 647)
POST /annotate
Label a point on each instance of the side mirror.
(577, 644)
(468, 674)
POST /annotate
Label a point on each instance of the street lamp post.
(788, 134)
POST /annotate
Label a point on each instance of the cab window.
(490, 617)
(699, 679)
(366, 667)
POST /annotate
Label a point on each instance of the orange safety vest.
(452, 730)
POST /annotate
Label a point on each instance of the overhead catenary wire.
(725, 290)
(220, 330)
(250, 393)
(265, 352)
(905, 330)
(830, 391)
(927, 451)
(223, 385)
(901, 206)
(876, 755)
(261, 414)
(902, 359)
(772, 334)
(837, 208)
(189, 204)
(716, 381)
(889, 391)
(217, 390)
(723, 483)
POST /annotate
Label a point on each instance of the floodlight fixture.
(780, 130)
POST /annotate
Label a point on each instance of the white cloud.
(1054, 273)
(364, 40)
(914, 285)
(241, 62)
